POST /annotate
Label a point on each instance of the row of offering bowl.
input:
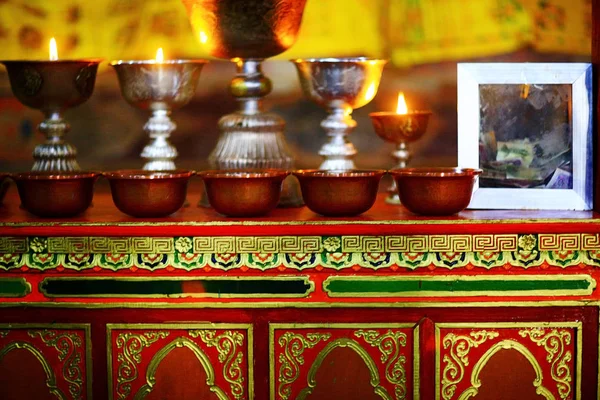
(246, 193)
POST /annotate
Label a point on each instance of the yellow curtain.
(408, 31)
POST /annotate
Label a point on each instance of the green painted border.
(460, 286)
(14, 287)
(173, 287)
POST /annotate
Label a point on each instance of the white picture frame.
(471, 76)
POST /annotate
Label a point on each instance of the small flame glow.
(401, 108)
(159, 55)
(53, 50)
(203, 37)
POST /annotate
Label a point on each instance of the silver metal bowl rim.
(339, 60)
(116, 63)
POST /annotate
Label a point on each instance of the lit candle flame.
(53, 50)
(401, 108)
(159, 55)
(203, 37)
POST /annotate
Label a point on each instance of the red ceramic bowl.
(148, 194)
(243, 193)
(435, 191)
(56, 194)
(339, 193)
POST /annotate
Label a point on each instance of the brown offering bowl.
(435, 191)
(148, 194)
(3, 186)
(243, 193)
(339, 193)
(60, 194)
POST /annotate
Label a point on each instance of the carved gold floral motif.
(227, 345)
(179, 342)
(50, 378)
(311, 378)
(291, 359)
(555, 342)
(69, 347)
(132, 345)
(457, 360)
(389, 344)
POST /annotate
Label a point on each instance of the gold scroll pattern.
(555, 342)
(79, 245)
(304, 244)
(13, 245)
(257, 244)
(458, 359)
(389, 344)
(69, 347)
(291, 359)
(227, 345)
(132, 345)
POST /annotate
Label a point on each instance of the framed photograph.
(528, 126)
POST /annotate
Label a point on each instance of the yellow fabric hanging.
(408, 31)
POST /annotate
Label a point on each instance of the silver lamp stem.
(251, 138)
(338, 151)
(54, 154)
(160, 153)
(402, 156)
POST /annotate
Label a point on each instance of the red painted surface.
(260, 318)
(30, 351)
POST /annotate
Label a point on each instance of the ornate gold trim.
(66, 345)
(416, 364)
(132, 344)
(298, 304)
(292, 372)
(183, 327)
(163, 352)
(554, 343)
(358, 349)
(506, 345)
(51, 378)
(294, 345)
(460, 346)
(292, 244)
(577, 326)
(586, 218)
(226, 344)
(389, 345)
(62, 326)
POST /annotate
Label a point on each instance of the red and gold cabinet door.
(180, 361)
(45, 361)
(525, 361)
(342, 361)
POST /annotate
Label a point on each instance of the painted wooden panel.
(180, 361)
(502, 360)
(349, 361)
(45, 361)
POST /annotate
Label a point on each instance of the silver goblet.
(340, 85)
(53, 87)
(246, 32)
(159, 86)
